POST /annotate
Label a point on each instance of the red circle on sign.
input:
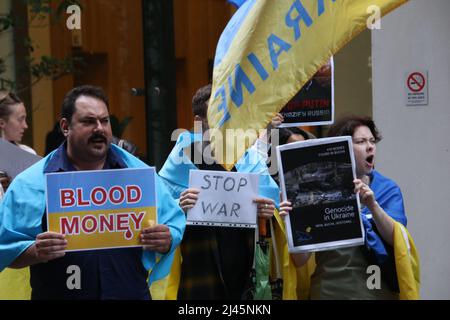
(416, 82)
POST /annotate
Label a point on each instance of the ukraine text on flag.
(267, 52)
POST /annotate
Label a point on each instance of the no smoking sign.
(416, 88)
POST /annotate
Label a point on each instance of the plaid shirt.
(217, 263)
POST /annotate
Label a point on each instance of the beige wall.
(415, 151)
(353, 73)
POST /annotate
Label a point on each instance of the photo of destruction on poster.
(316, 176)
(313, 105)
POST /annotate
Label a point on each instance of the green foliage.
(44, 66)
(52, 67)
(41, 8)
(6, 22)
(62, 7)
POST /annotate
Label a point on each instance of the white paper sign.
(14, 160)
(225, 199)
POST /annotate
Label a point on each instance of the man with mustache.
(105, 274)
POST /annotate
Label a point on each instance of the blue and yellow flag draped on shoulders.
(268, 51)
(21, 213)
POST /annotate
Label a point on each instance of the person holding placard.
(13, 123)
(216, 262)
(343, 273)
(12, 127)
(119, 273)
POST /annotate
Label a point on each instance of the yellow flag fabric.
(296, 281)
(407, 263)
(167, 288)
(304, 274)
(288, 270)
(15, 284)
(267, 52)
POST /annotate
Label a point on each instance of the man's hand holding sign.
(156, 238)
(48, 246)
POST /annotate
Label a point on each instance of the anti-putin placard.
(101, 209)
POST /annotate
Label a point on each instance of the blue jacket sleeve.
(21, 212)
(389, 197)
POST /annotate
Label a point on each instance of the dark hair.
(347, 126)
(68, 105)
(286, 133)
(7, 99)
(200, 101)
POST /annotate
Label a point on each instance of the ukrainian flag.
(268, 51)
(237, 3)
